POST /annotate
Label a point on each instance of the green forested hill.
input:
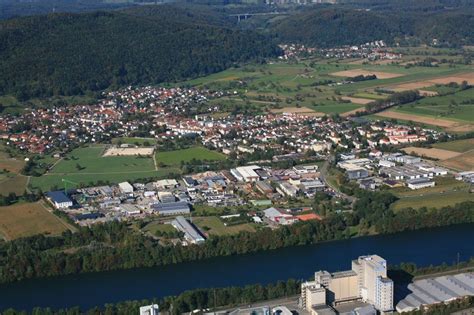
(65, 54)
(336, 26)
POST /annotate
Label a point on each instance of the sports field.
(87, 166)
(27, 219)
(90, 160)
(174, 158)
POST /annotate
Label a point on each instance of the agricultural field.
(319, 84)
(214, 226)
(457, 146)
(432, 153)
(175, 158)
(11, 181)
(27, 219)
(462, 162)
(453, 112)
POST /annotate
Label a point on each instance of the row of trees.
(115, 246)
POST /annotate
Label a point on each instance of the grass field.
(174, 158)
(87, 166)
(154, 227)
(214, 226)
(10, 180)
(433, 200)
(443, 185)
(462, 162)
(13, 183)
(457, 146)
(135, 141)
(46, 182)
(27, 219)
(90, 160)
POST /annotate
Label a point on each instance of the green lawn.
(45, 182)
(214, 226)
(174, 158)
(457, 146)
(135, 141)
(86, 166)
(89, 160)
(433, 200)
(155, 226)
(443, 185)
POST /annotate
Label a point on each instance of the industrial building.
(367, 282)
(126, 188)
(171, 208)
(153, 309)
(59, 199)
(430, 291)
(419, 183)
(191, 234)
(246, 173)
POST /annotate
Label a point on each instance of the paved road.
(324, 174)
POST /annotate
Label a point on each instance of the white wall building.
(367, 282)
(153, 309)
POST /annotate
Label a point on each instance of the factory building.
(367, 282)
(419, 183)
(126, 188)
(191, 234)
(172, 208)
(246, 173)
(59, 199)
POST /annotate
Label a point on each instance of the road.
(324, 174)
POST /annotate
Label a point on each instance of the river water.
(423, 247)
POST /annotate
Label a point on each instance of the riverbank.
(297, 262)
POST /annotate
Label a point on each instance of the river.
(423, 247)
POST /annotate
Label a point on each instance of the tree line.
(75, 54)
(114, 245)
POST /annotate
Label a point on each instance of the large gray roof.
(436, 290)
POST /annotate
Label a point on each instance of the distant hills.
(70, 54)
(329, 27)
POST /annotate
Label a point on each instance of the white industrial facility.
(367, 281)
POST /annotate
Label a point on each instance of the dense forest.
(71, 54)
(340, 26)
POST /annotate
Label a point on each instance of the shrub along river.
(423, 247)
